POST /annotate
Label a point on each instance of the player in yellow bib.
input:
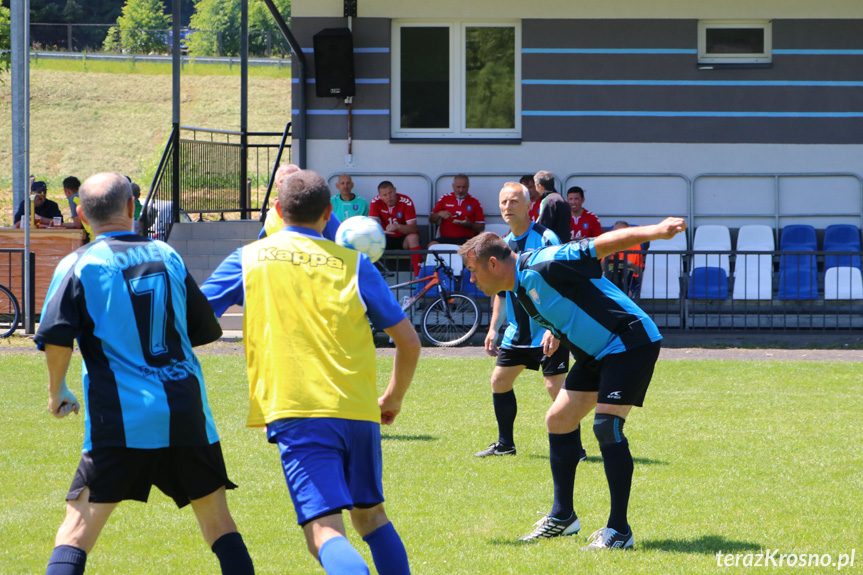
(311, 366)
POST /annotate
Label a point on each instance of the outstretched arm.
(627, 238)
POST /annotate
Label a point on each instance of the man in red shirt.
(535, 197)
(459, 213)
(397, 216)
(584, 224)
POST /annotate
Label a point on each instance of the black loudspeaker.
(334, 63)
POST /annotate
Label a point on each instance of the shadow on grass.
(706, 544)
(509, 542)
(598, 459)
(398, 437)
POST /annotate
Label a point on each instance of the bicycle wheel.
(451, 320)
(10, 313)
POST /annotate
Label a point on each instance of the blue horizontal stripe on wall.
(384, 50)
(683, 114)
(689, 51)
(819, 52)
(608, 51)
(344, 112)
(358, 80)
(759, 83)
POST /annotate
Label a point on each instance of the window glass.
(425, 77)
(735, 40)
(489, 78)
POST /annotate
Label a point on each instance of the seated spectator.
(397, 216)
(44, 209)
(535, 201)
(584, 224)
(70, 188)
(553, 210)
(273, 222)
(136, 193)
(459, 213)
(347, 204)
(625, 269)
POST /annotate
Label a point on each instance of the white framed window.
(735, 42)
(456, 79)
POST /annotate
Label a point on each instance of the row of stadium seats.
(753, 273)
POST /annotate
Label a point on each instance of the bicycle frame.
(433, 280)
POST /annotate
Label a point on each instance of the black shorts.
(532, 358)
(114, 474)
(395, 243)
(451, 241)
(618, 378)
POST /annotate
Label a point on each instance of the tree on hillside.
(141, 29)
(217, 26)
(5, 38)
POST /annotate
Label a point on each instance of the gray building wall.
(636, 81)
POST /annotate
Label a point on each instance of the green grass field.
(730, 456)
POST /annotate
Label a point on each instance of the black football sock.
(67, 560)
(564, 449)
(505, 410)
(617, 460)
(233, 556)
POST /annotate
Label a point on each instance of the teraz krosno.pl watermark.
(774, 558)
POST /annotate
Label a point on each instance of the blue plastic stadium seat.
(841, 238)
(445, 279)
(798, 273)
(708, 283)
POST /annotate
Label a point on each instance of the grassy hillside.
(113, 116)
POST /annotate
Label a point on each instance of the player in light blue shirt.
(615, 344)
(136, 313)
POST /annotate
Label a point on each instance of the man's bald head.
(105, 198)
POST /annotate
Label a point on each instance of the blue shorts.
(330, 464)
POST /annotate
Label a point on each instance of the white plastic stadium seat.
(843, 283)
(712, 238)
(661, 278)
(454, 261)
(753, 274)
(499, 229)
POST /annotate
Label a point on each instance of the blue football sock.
(388, 551)
(505, 410)
(338, 557)
(564, 450)
(233, 556)
(67, 560)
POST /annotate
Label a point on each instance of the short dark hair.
(105, 197)
(525, 179)
(72, 183)
(544, 179)
(385, 184)
(304, 196)
(485, 246)
(575, 190)
(462, 176)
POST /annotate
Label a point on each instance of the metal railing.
(753, 291)
(212, 164)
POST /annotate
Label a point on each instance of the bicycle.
(10, 312)
(452, 318)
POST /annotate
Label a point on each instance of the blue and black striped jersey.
(136, 313)
(523, 331)
(563, 289)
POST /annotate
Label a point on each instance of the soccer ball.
(363, 234)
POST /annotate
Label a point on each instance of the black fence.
(92, 38)
(759, 292)
(211, 179)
